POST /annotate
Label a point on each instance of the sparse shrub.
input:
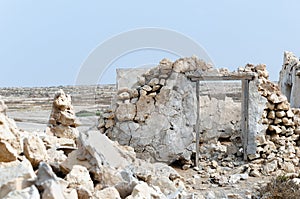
(85, 113)
(281, 187)
(98, 113)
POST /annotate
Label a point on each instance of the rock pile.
(277, 148)
(48, 166)
(62, 122)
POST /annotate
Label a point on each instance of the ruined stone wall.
(289, 79)
(157, 116)
(220, 104)
(277, 129)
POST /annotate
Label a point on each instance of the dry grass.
(281, 187)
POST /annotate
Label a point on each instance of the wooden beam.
(245, 116)
(197, 125)
(204, 76)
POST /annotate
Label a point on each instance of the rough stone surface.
(79, 177)
(109, 192)
(30, 192)
(163, 114)
(15, 176)
(48, 180)
(35, 150)
(7, 152)
(289, 79)
(63, 122)
(143, 190)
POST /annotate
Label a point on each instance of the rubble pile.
(277, 148)
(46, 165)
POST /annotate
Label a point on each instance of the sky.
(46, 43)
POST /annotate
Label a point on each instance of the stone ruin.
(160, 117)
(289, 79)
(157, 116)
(63, 165)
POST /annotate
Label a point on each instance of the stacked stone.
(161, 102)
(106, 121)
(277, 149)
(63, 121)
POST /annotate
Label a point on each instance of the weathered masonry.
(155, 112)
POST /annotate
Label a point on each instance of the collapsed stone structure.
(60, 164)
(47, 165)
(289, 79)
(157, 116)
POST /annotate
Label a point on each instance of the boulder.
(79, 177)
(49, 182)
(15, 176)
(35, 150)
(109, 192)
(96, 146)
(30, 192)
(143, 190)
(7, 152)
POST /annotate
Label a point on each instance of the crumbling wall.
(289, 80)
(276, 142)
(157, 116)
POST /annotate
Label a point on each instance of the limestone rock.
(125, 112)
(142, 190)
(30, 192)
(15, 176)
(63, 122)
(55, 158)
(7, 153)
(35, 150)
(3, 107)
(289, 79)
(103, 150)
(49, 182)
(109, 192)
(288, 167)
(10, 133)
(72, 159)
(236, 177)
(269, 167)
(79, 177)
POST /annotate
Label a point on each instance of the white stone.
(35, 150)
(79, 176)
(142, 190)
(30, 192)
(125, 112)
(15, 176)
(109, 192)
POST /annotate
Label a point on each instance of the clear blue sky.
(44, 43)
